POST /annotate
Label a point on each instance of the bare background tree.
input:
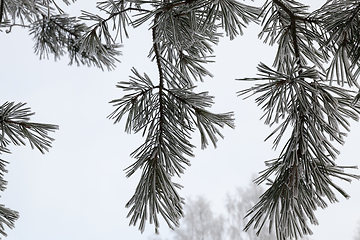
(237, 206)
(357, 231)
(202, 223)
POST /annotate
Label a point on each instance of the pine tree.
(307, 95)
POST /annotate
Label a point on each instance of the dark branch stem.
(157, 55)
(1, 10)
(161, 75)
(122, 11)
(61, 27)
(293, 179)
(16, 25)
(286, 9)
(105, 20)
(293, 19)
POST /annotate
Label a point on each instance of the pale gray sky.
(78, 190)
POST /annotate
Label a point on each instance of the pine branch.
(166, 113)
(160, 159)
(69, 31)
(15, 127)
(306, 164)
(89, 16)
(7, 216)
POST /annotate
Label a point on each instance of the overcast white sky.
(78, 190)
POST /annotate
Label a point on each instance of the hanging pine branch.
(167, 113)
(56, 33)
(16, 129)
(298, 98)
